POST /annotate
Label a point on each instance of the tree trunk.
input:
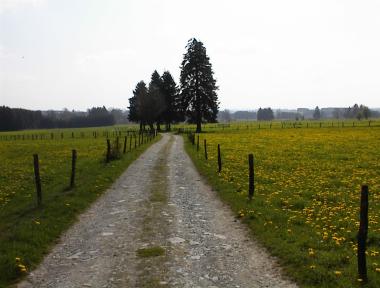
(158, 127)
(199, 127)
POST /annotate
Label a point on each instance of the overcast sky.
(295, 53)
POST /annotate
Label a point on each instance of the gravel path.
(159, 225)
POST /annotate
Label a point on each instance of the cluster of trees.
(158, 103)
(265, 114)
(358, 112)
(163, 102)
(354, 112)
(18, 119)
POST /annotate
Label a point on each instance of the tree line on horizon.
(358, 112)
(19, 119)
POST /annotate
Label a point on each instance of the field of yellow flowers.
(305, 209)
(26, 232)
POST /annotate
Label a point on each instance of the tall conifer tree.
(198, 86)
(170, 94)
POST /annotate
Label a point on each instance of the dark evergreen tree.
(317, 113)
(366, 113)
(156, 98)
(198, 87)
(169, 89)
(134, 115)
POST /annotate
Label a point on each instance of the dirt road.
(159, 225)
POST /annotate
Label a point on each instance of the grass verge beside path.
(27, 233)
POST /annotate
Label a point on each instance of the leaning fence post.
(205, 144)
(251, 177)
(219, 160)
(73, 163)
(108, 156)
(37, 179)
(362, 235)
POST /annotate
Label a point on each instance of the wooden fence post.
(198, 143)
(362, 235)
(130, 143)
(125, 144)
(136, 141)
(205, 144)
(37, 179)
(73, 164)
(251, 177)
(108, 155)
(219, 160)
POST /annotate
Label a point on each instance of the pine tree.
(135, 113)
(170, 94)
(156, 100)
(317, 113)
(198, 86)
